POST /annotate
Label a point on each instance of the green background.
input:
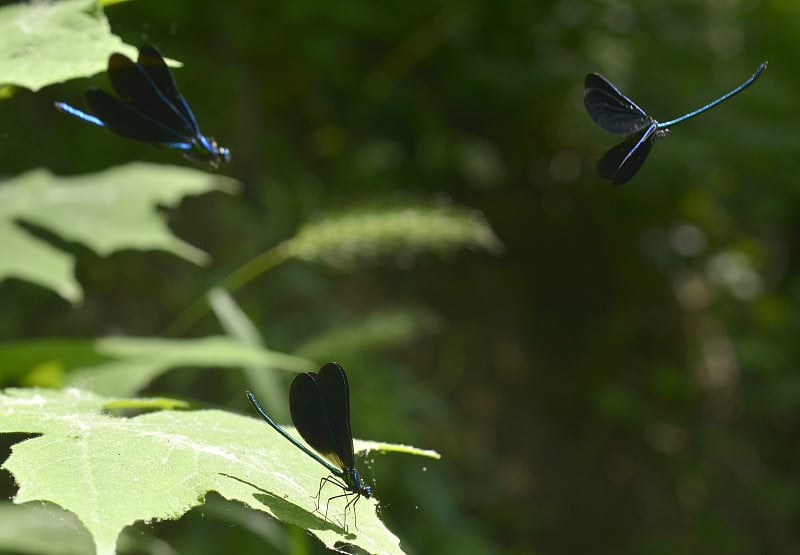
(622, 378)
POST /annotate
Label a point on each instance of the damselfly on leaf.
(320, 406)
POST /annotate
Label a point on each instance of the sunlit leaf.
(113, 471)
(42, 43)
(107, 211)
(124, 365)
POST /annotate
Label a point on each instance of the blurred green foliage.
(622, 379)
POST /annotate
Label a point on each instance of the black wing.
(336, 395)
(308, 405)
(612, 110)
(156, 68)
(136, 88)
(128, 122)
(623, 161)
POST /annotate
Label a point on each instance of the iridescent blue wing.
(155, 67)
(128, 122)
(137, 89)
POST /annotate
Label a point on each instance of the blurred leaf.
(262, 379)
(47, 529)
(113, 472)
(384, 329)
(108, 211)
(50, 42)
(149, 403)
(233, 318)
(41, 529)
(366, 447)
(124, 365)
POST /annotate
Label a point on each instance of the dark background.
(621, 379)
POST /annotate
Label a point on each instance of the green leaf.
(39, 529)
(107, 211)
(389, 328)
(42, 43)
(263, 380)
(123, 365)
(112, 472)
